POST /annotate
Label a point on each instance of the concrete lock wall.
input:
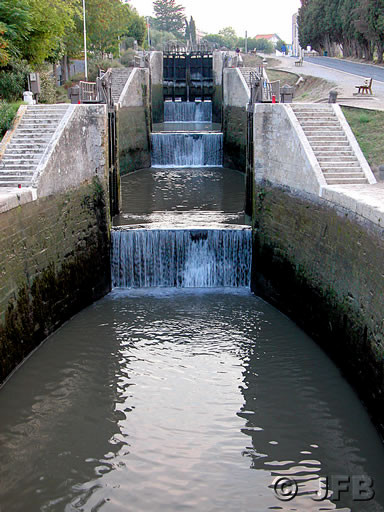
(277, 135)
(320, 259)
(217, 98)
(133, 123)
(156, 69)
(236, 96)
(54, 250)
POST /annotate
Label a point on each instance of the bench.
(299, 62)
(365, 88)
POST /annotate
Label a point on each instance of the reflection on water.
(175, 400)
(182, 197)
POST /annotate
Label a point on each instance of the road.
(355, 68)
(344, 76)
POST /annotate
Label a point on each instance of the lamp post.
(85, 44)
(149, 39)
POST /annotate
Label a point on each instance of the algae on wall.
(54, 262)
(323, 267)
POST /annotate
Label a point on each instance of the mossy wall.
(235, 137)
(157, 103)
(217, 104)
(324, 267)
(133, 130)
(54, 261)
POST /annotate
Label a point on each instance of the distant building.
(273, 38)
(295, 35)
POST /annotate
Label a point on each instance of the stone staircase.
(246, 72)
(119, 79)
(330, 144)
(29, 143)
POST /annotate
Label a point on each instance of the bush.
(13, 81)
(7, 115)
(127, 58)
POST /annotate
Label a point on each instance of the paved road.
(364, 70)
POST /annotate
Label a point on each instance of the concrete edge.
(306, 146)
(11, 198)
(243, 81)
(372, 211)
(127, 85)
(354, 144)
(9, 133)
(52, 144)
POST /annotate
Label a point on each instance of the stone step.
(26, 131)
(327, 124)
(345, 167)
(23, 159)
(28, 147)
(346, 181)
(15, 184)
(15, 174)
(44, 123)
(334, 146)
(353, 174)
(315, 115)
(323, 139)
(335, 153)
(335, 158)
(18, 166)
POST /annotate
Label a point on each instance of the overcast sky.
(255, 16)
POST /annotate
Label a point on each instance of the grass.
(7, 115)
(368, 128)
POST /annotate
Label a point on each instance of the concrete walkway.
(345, 83)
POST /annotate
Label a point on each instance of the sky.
(255, 16)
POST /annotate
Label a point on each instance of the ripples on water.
(169, 401)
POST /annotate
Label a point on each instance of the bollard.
(332, 97)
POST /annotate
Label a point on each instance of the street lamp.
(85, 44)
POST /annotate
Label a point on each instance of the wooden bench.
(365, 88)
(299, 62)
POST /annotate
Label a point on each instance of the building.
(295, 35)
(273, 38)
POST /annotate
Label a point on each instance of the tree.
(169, 16)
(229, 37)
(190, 31)
(15, 27)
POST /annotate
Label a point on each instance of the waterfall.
(186, 112)
(181, 258)
(187, 149)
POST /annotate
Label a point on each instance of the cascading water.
(203, 257)
(181, 258)
(187, 149)
(188, 111)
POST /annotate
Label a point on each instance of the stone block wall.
(235, 99)
(323, 265)
(54, 261)
(133, 123)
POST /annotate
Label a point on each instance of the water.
(180, 400)
(188, 111)
(180, 198)
(187, 149)
(183, 258)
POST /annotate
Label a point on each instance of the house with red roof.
(273, 38)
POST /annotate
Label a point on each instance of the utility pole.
(149, 39)
(85, 44)
(246, 42)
